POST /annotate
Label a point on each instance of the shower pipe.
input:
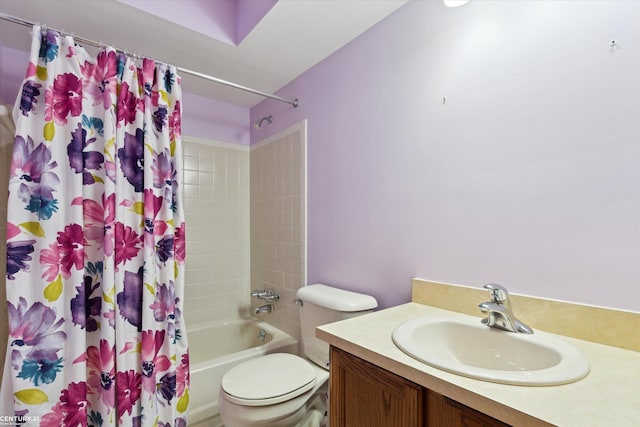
(258, 123)
(94, 43)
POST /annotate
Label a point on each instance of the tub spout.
(267, 308)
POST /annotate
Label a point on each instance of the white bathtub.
(216, 348)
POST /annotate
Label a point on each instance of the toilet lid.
(269, 379)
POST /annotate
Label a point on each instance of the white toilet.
(282, 389)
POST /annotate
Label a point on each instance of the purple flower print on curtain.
(131, 158)
(30, 93)
(95, 242)
(18, 253)
(79, 158)
(33, 167)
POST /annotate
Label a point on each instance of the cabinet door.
(364, 395)
(444, 412)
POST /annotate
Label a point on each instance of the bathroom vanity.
(373, 382)
(364, 394)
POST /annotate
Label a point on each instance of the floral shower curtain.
(95, 243)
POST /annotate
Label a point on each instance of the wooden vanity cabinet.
(444, 412)
(364, 395)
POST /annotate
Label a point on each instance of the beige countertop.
(608, 396)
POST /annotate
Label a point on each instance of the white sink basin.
(469, 348)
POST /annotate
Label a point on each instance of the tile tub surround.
(278, 223)
(602, 325)
(608, 396)
(216, 198)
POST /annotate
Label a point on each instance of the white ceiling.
(294, 36)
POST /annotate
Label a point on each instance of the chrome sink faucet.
(499, 312)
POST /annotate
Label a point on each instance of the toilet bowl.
(286, 390)
(275, 390)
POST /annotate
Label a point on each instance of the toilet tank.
(322, 304)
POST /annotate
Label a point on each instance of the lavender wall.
(526, 174)
(228, 21)
(216, 19)
(13, 64)
(248, 14)
(202, 117)
(215, 120)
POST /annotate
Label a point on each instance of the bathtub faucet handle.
(258, 293)
(266, 295)
(269, 295)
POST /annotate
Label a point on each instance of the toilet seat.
(267, 380)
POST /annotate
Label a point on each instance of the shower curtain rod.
(94, 43)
